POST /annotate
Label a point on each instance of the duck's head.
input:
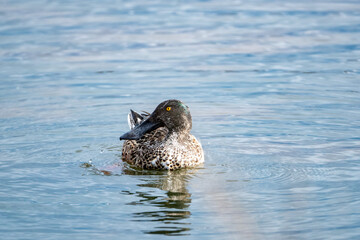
(172, 114)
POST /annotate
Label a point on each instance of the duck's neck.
(177, 136)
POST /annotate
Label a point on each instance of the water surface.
(273, 87)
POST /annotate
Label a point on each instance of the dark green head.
(172, 114)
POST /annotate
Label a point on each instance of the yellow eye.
(168, 108)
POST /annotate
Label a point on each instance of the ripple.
(286, 174)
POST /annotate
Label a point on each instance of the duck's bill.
(140, 130)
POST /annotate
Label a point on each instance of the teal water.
(273, 87)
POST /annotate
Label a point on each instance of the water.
(273, 87)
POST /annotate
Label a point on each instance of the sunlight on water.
(273, 88)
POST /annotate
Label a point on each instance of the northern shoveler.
(162, 139)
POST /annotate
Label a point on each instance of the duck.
(162, 140)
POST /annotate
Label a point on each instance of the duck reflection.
(172, 208)
(164, 193)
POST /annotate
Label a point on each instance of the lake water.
(274, 91)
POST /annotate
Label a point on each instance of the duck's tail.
(135, 118)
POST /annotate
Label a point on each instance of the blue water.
(273, 87)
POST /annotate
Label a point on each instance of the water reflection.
(171, 209)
